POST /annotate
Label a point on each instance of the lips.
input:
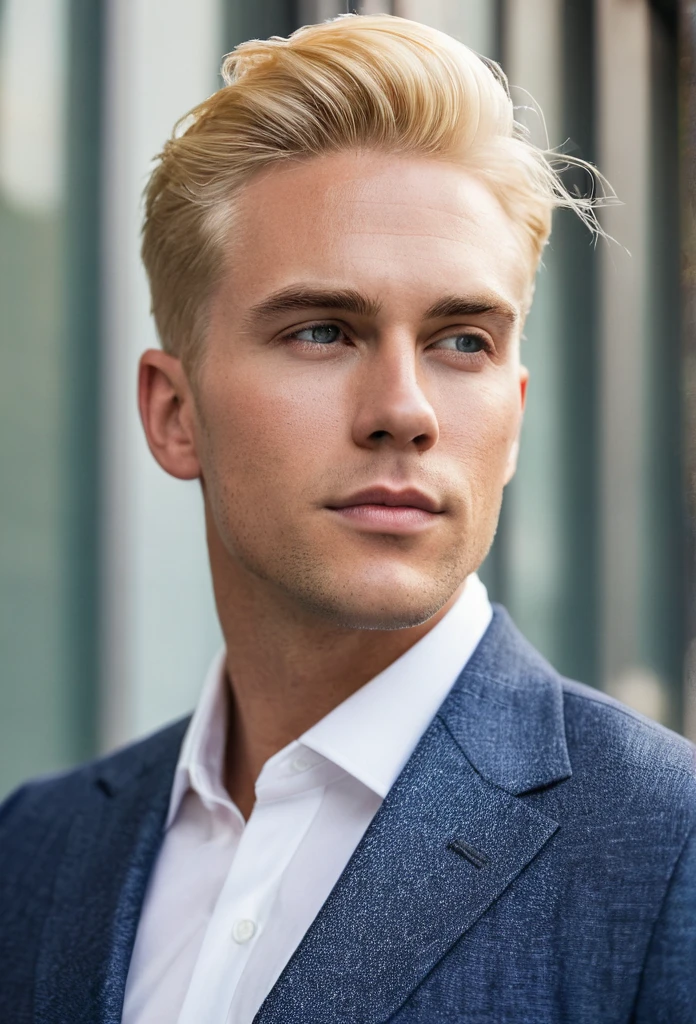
(409, 497)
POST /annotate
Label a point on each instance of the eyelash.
(487, 346)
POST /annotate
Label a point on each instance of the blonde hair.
(356, 82)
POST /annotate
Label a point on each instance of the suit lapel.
(448, 840)
(111, 846)
(443, 846)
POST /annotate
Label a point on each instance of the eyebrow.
(293, 299)
(457, 305)
(289, 300)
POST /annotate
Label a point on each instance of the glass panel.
(548, 526)
(159, 623)
(45, 652)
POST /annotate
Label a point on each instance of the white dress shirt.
(228, 902)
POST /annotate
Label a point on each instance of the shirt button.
(243, 930)
(303, 761)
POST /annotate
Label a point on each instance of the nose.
(392, 409)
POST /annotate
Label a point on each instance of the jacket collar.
(506, 711)
(120, 771)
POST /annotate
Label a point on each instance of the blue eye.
(320, 334)
(468, 343)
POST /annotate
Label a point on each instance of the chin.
(382, 619)
(388, 604)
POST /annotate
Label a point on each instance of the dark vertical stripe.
(579, 265)
(82, 354)
(664, 549)
(687, 157)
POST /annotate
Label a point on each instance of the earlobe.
(167, 414)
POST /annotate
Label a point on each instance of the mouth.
(387, 510)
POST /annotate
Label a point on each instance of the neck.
(287, 670)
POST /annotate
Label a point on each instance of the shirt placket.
(288, 799)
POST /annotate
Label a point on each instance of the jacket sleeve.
(667, 992)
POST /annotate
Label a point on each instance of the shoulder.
(609, 740)
(52, 798)
(629, 803)
(630, 811)
(532, 731)
(41, 822)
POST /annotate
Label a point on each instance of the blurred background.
(107, 621)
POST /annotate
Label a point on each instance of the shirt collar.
(200, 764)
(407, 695)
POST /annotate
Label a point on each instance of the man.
(387, 806)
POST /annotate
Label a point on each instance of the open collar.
(406, 695)
(372, 734)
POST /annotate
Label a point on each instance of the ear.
(167, 412)
(511, 465)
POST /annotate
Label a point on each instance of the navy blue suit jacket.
(534, 863)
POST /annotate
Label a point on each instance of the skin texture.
(312, 602)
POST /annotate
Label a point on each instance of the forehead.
(394, 226)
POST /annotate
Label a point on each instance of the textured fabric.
(314, 801)
(577, 906)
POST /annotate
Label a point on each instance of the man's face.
(365, 337)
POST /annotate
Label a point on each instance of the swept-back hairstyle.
(357, 82)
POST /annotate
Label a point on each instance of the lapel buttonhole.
(469, 852)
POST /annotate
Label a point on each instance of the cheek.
(479, 425)
(265, 434)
